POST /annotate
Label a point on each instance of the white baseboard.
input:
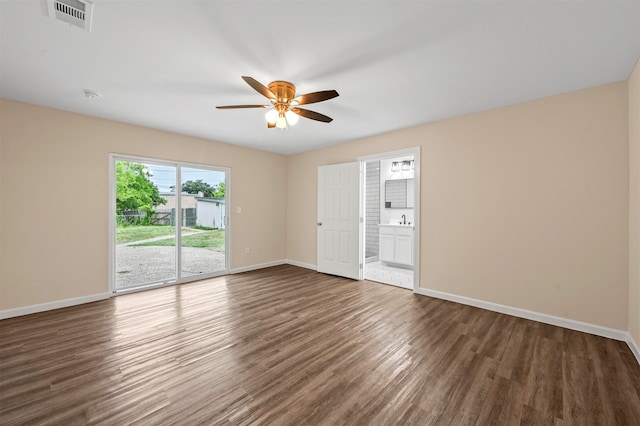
(258, 266)
(274, 263)
(535, 316)
(26, 310)
(301, 264)
(634, 347)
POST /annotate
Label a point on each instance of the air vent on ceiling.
(73, 12)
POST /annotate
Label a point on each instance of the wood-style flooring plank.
(289, 346)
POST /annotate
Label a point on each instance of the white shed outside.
(210, 212)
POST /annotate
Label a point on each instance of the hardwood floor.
(286, 345)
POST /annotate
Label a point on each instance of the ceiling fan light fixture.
(271, 116)
(292, 117)
(281, 122)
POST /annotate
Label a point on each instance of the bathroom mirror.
(398, 194)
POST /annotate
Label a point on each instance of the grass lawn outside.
(208, 239)
(128, 234)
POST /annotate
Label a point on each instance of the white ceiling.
(396, 64)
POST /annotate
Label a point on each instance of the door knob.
(319, 223)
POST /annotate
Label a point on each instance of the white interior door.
(339, 220)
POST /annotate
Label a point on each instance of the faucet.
(404, 219)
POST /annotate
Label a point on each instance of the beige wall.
(524, 206)
(60, 160)
(634, 204)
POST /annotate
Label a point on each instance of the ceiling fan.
(284, 109)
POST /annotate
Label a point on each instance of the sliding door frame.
(115, 157)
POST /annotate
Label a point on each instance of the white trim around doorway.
(415, 151)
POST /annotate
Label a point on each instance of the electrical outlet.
(247, 250)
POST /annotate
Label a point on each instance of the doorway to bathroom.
(391, 200)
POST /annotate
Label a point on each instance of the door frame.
(415, 151)
(113, 158)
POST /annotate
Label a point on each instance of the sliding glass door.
(204, 217)
(164, 232)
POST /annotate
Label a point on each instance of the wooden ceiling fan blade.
(314, 97)
(242, 106)
(259, 87)
(312, 115)
(270, 125)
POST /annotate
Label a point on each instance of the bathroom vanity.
(396, 244)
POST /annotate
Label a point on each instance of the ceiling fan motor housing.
(283, 90)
